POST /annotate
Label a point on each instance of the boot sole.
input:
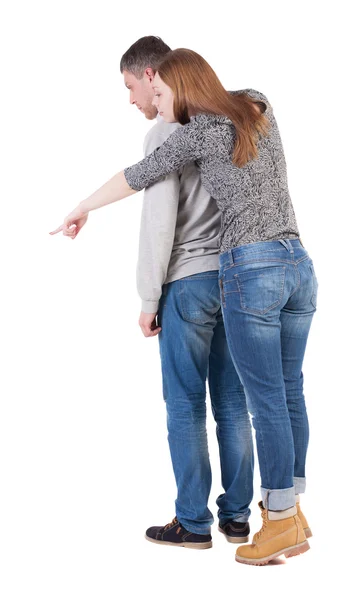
(234, 540)
(193, 545)
(288, 553)
(308, 532)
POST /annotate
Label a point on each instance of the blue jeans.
(193, 347)
(269, 295)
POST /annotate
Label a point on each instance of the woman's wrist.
(115, 189)
(83, 208)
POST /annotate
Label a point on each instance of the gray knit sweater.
(254, 200)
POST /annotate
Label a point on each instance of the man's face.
(141, 92)
(163, 99)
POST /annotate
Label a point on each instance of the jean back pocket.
(261, 290)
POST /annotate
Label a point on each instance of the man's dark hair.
(147, 52)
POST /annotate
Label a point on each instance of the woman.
(266, 276)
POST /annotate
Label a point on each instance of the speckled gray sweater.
(254, 200)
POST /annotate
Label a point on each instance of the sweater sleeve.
(158, 226)
(184, 145)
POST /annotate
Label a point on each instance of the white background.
(85, 466)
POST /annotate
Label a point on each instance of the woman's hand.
(112, 191)
(72, 224)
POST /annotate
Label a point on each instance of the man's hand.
(147, 322)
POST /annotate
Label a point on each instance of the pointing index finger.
(56, 230)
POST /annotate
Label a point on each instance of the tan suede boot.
(303, 521)
(281, 533)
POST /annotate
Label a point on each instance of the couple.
(242, 318)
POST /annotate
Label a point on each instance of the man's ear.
(149, 73)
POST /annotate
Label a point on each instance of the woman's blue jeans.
(194, 349)
(269, 296)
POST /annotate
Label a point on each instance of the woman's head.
(163, 99)
(186, 85)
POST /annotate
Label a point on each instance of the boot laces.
(263, 528)
(173, 522)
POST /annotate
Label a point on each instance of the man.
(177, 280)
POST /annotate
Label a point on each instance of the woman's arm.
(115, 189)
(183, 145)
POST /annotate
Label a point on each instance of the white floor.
(80, 496)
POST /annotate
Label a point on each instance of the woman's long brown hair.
(197, 89)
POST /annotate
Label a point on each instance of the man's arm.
(158, 226)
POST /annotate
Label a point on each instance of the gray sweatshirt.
(180, 225)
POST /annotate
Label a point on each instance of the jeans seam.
(250, 260)
(297, 262)
(183, 312)
(315, 288)
(261, 260)
(298, 279)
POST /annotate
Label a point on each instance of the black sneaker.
(174, 534)
(237, 533)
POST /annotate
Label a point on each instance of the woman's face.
(163, 99)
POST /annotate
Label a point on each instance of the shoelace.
(173, 522)
(265, 523)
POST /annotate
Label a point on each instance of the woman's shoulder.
(255, 94)
(208, 121)
(214, 133)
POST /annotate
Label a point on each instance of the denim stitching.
(298, 280)
(224, 291)
(261, 250)
(262, 312)
(222, 294)
(227, 265)
(184, 313)
(315, 288)
(192, 277)
(261, 260)
(303, 258)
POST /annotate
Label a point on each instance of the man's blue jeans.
(269, 295)
(193, 347)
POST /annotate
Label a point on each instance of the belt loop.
(287, 245)
(231, 259)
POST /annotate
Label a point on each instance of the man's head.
(138, 66)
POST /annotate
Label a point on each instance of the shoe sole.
(193, 545)
(234, 540)
(288, 553)
(308, 532)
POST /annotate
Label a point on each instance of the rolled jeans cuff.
(243, 517)
(278, 499)
(205, 530)
(299, 485)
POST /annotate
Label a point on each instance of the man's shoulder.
(160, 132)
